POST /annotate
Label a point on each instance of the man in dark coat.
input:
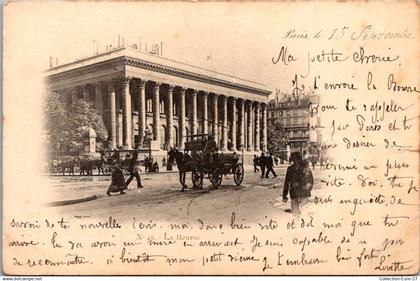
(146, 164)
(298, 182)
(115, 158)
(270, 164)
(263, 161)
(134, 171)
(256, 163)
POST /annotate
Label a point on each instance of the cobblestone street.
(161, 199)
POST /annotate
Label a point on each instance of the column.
(241, 124)
(194, 113)
(181, 119)
(257, 127)
(74, 95)
(98, 98)
(224, 145)
(215, 119)
(169, 115)
(233, 127)
(249, 126)
(264, 127)
(142, 110)
(113, 115)
(118, 112)
(205, 114)
(127, 114)
(156, 113)
(85, 90)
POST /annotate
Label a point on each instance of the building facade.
(137, 93)
(297, 119)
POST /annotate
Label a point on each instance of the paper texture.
(360, 58)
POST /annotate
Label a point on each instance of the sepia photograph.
(210, 138)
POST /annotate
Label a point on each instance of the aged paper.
(361, 59)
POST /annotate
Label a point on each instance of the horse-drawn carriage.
(204, 161)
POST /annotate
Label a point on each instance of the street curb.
(246, 167)
(73, 201)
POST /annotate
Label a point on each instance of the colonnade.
(237, 124)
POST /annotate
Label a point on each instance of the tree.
(65, 129)
(81, 116)
(277, 136)
(55, 122)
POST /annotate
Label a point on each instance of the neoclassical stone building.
(137, 92)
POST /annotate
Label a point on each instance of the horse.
(86, 167)
(184, 163)
(67, 165)
(99, 164)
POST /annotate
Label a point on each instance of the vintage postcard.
(213, 138)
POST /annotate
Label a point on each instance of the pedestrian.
(262, 161)
(146, 164)
(134, 170)
(298, 182)
(117, 181)
(115, 158)
(313, 161)
(256, 163)
(305, 157)
(270, 164)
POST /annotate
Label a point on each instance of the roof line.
(148, 54)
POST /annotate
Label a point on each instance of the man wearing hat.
(134, 170)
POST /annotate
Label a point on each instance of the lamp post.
(148, 138)
(58, 149)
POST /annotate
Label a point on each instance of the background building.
(294, 114)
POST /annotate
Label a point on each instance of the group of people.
(298, 182)
(118, 184)
(266, 163)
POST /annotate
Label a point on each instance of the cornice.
(158, 68)
(191, 76)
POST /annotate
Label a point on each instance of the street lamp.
(148, 138)
(58, 149)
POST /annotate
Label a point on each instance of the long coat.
(117, 181)
(299, 181)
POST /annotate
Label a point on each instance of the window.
(149, 105)
(175, 136)
(163, 144)
(161, 107)
(174, 109)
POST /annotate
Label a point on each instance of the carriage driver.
(209, 149)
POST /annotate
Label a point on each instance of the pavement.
(75, 189)
(161, 197)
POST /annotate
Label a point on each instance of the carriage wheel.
(238, 174)
(216, 178)
(197, 179)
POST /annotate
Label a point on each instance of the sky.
(238, 41)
